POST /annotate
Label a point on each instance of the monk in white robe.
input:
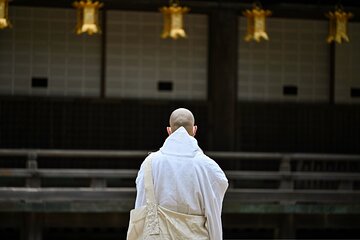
(185, 179)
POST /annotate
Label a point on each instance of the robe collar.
(180, 143)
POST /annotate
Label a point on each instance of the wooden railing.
(299, 182)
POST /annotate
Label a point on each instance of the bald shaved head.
(182, 117)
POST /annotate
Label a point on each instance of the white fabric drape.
(186, 181)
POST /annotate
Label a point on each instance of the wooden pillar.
(287, 227)
(332, 74)
(34, 181)
(222, 79)
(32, 228)
(103, 54)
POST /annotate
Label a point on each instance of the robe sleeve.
(140, 188)
(213, 207)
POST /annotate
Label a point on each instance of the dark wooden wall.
(298, 127)
(133, 124)
(89, 124)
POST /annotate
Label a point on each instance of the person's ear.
(194, 130)
(168, 129)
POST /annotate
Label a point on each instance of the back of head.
(182, 117)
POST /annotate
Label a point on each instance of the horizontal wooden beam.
(233, 195)
(69, 173)
(273, 208)
(74, 153)
(245, 155)
(324, 157)
(279, 175)
(143, 154)
(292, 196)
(325, 176)
(125, 206)
(66, 194)
(132, 173)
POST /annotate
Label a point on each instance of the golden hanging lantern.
(174, 20)
(256, 23)
(4, 14)
(87, 17)
(338, 21)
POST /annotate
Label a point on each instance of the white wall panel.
(137, 58)
(296, 55)
(347, 62)
(43, 43)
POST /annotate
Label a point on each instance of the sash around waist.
(174, 224)
(138, 214)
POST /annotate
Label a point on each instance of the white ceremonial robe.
(186, 181)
